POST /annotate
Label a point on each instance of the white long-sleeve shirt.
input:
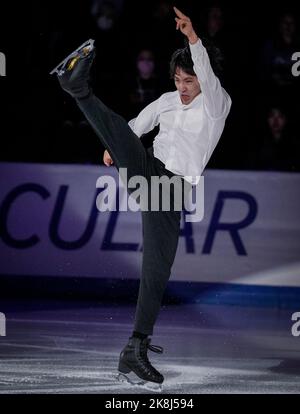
(189, 133)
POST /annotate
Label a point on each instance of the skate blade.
(133, 380)
(69, 62)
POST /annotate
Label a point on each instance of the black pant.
(160, 228)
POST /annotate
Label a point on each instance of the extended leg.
(124, 146)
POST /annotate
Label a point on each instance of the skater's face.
(187, 85)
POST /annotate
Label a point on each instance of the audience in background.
(144, 85)
(278, 148)
(135, 41)
(275, 65)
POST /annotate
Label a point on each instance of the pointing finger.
(179, 13)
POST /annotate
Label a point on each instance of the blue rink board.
(106, 289)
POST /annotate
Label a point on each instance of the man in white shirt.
(191, 122)
(192, 118)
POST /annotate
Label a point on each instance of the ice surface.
(207, 349)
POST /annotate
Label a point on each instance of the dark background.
(40, 123)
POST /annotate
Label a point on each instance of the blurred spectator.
(106, 13)
(107, 73)
(276, 60)
(162, 35)
(215, 21)
(278, 149)
(144, 88)
(216, 30)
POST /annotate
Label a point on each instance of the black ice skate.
(136, 369)
(69, 62)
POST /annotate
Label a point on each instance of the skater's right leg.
(127, 152)
(124, 146)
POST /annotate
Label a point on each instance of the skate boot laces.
(145, 345)
(155, 348)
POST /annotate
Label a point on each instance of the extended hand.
(107, 158)
(185, 25)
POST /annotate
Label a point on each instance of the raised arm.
(216, 100)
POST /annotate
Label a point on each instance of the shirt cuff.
(197, 48)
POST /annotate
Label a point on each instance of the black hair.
(182, 58)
